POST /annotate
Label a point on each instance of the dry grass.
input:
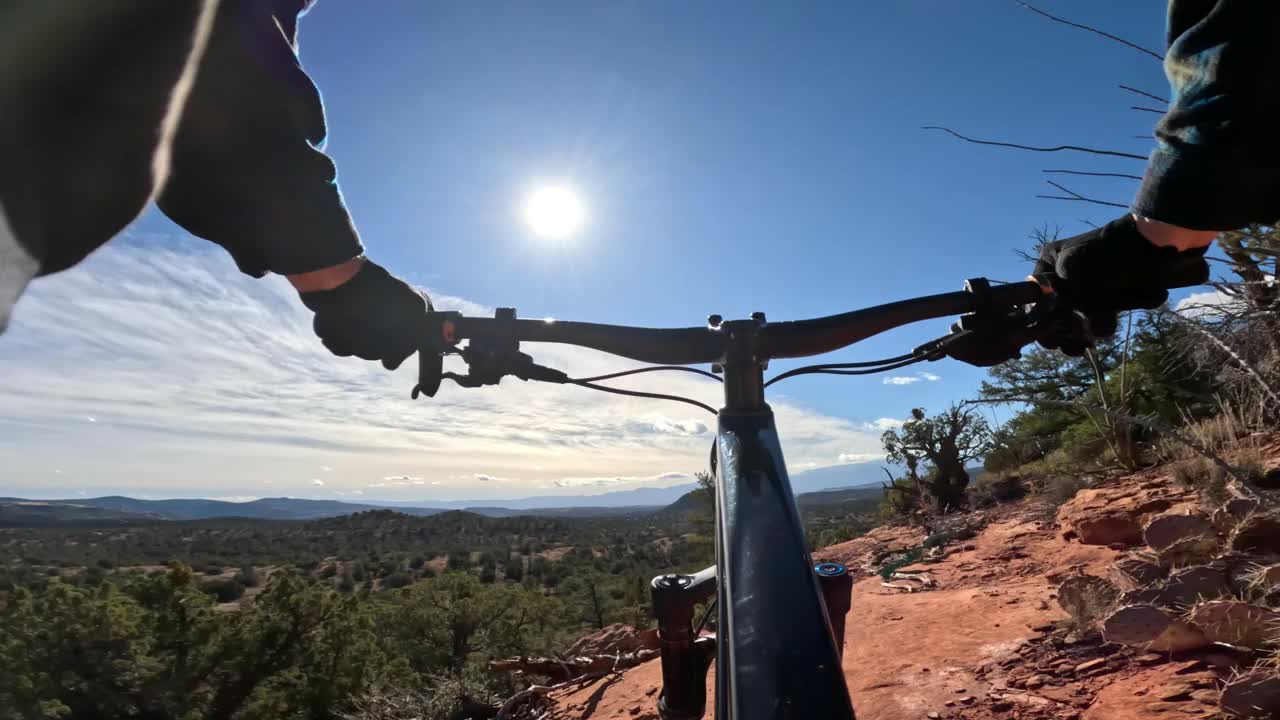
(1214, 433)
(1204, 476)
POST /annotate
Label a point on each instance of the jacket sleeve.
(246, 171)
(1215, 163)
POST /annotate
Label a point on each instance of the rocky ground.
(987, 637)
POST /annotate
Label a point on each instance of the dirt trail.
(979, 646)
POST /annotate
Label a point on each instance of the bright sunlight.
(553, 212)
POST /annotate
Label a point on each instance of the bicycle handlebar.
(697, 345)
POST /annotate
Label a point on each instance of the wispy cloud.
(882, 424)
(909, 379)
(219, 378)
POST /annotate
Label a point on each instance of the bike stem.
(742, 367)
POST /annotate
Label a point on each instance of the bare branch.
(1077, 196)
(1092, 174)
(1144, 93)
(1090, 223)
(1033, 148)
(1146, 109)
(1095, 30)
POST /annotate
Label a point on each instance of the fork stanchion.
(685, 657)
(837, 593)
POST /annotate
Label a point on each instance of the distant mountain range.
(115, 508)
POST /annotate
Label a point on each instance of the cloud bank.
(156, 368)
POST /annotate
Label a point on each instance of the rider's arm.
(1216, 161)
(246, 169)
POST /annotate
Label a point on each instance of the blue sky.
(732, 156)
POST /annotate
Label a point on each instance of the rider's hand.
(1105, 271)
(373, 315)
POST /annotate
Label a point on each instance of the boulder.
(1109, 515)
(613, 639)
(1194, 550)
(1234, 622)
(1113, 528)
(1164, 531)
(1151, 628)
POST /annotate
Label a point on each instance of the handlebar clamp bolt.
(714, 320)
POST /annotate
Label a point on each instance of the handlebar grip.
(1026, 292)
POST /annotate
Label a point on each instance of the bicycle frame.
(776, 655)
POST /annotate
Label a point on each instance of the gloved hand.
(1105, 271)
(374, 315)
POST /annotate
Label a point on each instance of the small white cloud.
(435, 482)
(317, 481)
(882, 424)
(929, 376)
(420, 482)
(325, 468)
(900, 380)
(357, 492)
(91, 419)
(81, 493)
(847, 458)
(234, 498)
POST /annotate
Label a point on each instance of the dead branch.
(572, 668)
(1144, 93)
(1075, 196)
(1091, 29)
(1033, 148)
(1092, 174)
(1139, 108)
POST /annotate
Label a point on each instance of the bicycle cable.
(840, 368)
(655, 368)
(637, 393)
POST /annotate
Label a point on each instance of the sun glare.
(553, 212)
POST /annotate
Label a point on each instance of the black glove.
(1102, 272)
(374, 315)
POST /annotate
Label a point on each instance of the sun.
(553, 212)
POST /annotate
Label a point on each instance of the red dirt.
(979, 646)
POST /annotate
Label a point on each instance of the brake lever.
(991, 335)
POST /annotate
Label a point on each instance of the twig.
(1092, 174)
(1139, 108)
(1143, 93)
(1077, 197)
(1090, 223)
(1033, 148)
(1095, 30)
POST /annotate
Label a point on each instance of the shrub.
(1059, 489)
(224, 591)
(993, 489)
(248, 576)
(396, 580)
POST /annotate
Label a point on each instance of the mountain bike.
(779, 630)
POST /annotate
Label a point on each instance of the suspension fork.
(685, 657)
